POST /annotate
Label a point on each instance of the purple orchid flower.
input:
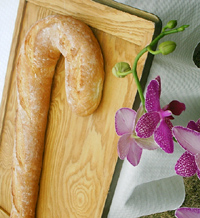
(129, 145)
(157, 121)
(189, 138)
(186, 212)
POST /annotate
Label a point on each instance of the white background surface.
(8, 12)
(180, 80)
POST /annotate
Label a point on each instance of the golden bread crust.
(39, 53)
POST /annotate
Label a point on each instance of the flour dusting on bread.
(84, 75)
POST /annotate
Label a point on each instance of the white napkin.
(153, 186)
(8, 12)
(147, 188)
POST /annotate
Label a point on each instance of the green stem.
(134, 69)
(164, 33)
(123, 74)
(148, 48)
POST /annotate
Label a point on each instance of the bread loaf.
(84, 75)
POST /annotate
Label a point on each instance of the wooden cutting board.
(80, 153)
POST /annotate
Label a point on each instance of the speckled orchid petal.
(147, 124)
(147, 143)
(164, 138)
(186, 165)
(186, 212)
(159, 81)
(124, 121)
(140, 112)
(187, 138)
(169, 123)
(175, 107)
(197, 160)
(134, 153)
(192, 125)
(198, 174)
(124, 145)
(152, 102)
(198, 125)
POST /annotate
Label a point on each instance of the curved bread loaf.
(40, 51)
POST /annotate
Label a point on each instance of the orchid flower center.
(164, 114)
(134, 136)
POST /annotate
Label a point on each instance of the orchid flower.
(157, 121)
(186, 212)
(189, 138)
(129, 145)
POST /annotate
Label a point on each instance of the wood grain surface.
(123, 25)
(80, 152)
(10, 63)
(3, 214)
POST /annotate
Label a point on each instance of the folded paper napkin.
(8, 11)
(153, 186)
(150, 187)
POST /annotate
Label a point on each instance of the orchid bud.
(121, 69)
(182, 28)
(171, 24)
(167, 47)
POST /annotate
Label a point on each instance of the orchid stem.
(134, 69)
(164, 33)
(149, 49)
